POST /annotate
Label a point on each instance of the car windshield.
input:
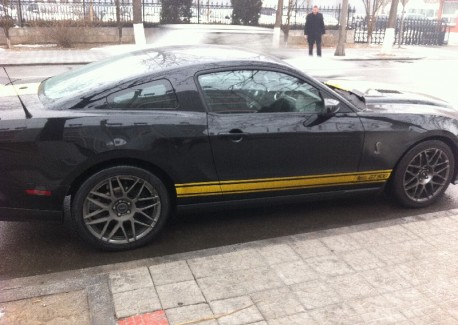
(100, 74)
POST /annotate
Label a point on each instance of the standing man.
(314, 28)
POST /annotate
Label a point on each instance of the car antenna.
(26, 111)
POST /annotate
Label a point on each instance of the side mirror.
(331, 106)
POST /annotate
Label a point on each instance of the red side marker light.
(38, 192)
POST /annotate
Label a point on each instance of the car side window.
(258, 91)
(153, 95)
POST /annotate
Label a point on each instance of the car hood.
(383, 98)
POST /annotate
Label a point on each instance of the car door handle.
(236, 135)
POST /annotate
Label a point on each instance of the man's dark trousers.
(311, 39)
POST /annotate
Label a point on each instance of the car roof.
(171, 57)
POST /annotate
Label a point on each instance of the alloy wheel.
(426, 175)
(121, 209)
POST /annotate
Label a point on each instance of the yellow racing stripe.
(280, 184)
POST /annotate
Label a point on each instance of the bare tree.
(401, 28)
(388, 41)
(372, 7)
(278, 23)
(288, 20)
(137, 11)
(6, 22)
(340, 49)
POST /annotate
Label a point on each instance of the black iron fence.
(203, 12)
(407, 31)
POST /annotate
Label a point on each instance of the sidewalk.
(54, 56)
(402, 271)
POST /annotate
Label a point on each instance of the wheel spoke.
(145, 215)
(97, 221)
(441, 170)
(133, 186)
(124, 232)
(101, 195)
(93, 214)
(139, 192)
(114, 231)
(132, 225)
(149, 206)
(142, 223)
(99, 204)
(120, 185)
(147, 198)
(104, 230)
(110, 184)
(411, 186)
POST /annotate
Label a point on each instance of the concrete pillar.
(388, 42)
(139, 34)
(276, 37)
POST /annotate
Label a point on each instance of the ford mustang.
(129, 139)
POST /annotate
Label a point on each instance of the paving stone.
(425, 271)
(361, 260)
(424, 228)
(376, 308)
(399, 253)
(236, 311)
(450, 306)
(341, 243)
(277, 303)
(397, 234)
(445, 242)
(58, 309)
(170, 273)
(386, 279)
(336, 314)
(309, 248)
(239, 283)
(411, 302)
(259, 323)
(446, 224)
(295, 272)
(180, 294)
(130, 280)
(315, 294)
(436, 317)
(278, 253)
(224, 263)
(154, 318)
(370, 237)
(441, 290)
(137, 301)
(351, 286)
(329, 265)
(195, 314)
(298, 319)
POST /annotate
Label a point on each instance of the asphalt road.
(38, 248)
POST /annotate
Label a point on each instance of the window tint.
(158, 94)
(256, 91)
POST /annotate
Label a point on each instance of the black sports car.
(130, 138)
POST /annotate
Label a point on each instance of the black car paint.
(63, 143)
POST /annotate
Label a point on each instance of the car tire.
(423, 174)
(120, 208)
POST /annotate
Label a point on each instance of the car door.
(269, 133)
(151, 121)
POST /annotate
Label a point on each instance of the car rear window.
(100, 74)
